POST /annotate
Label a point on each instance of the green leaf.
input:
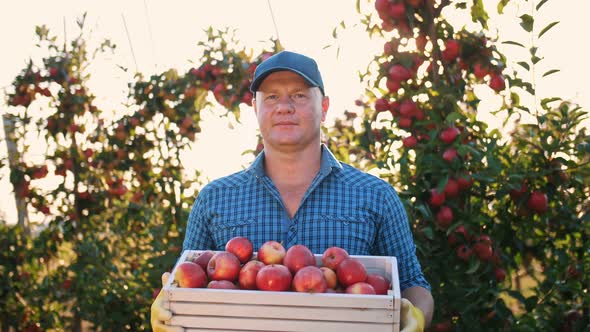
(473, 266)
(517, 295)
(428, 232)
(510, 42)
(515, 98)
(541, 4)
(358, 6)
(531, 302)
(501, 5)
(527, 22)
(535, 59)
(549, 72)
(478, 13)
(524, 65)
(442, 183)
(549, 26)
(452, 117)
(546, 101)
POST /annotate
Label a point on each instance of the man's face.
(289, 112)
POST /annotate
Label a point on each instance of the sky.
(153, 36)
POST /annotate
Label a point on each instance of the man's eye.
(271, 97)
(299, 96)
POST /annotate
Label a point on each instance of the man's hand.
(159, 314)
(412, 318)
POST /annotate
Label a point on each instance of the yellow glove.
(412, 318)
(159, 314)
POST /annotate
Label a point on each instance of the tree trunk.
(13, 160)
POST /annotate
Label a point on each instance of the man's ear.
(325, 106)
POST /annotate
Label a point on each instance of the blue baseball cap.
(300, 64)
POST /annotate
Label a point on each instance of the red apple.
(451, 188)
(360, 288)
(464, 181)
(408, 108)
(399, 73)
(330, 276)
(538, 202)
(500, 274)
(449, 134)
(221, 284)
(451, 51)
(450, 154)
(497, 82)
(462, 230)
(223, 266)
(444, 217)
(203, 259)
(382, 5)
(381, 105)
(332, 257)
(479, 71)
(397, 10)
(392, 85)
(380, 284)
(241, 247)
(464, 252)
(483, 250)
(190, 275)
(310, 279)
(247, 276)
(516, 194)
(404, 122)
(271, 252)
(274, 277)
(297, 257)
(410, 142)
(351, 271)
(436, 198)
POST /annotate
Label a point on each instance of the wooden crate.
(203, 309)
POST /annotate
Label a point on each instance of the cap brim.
(256, 83)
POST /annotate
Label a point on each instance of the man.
(297, 192)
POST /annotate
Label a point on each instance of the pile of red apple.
(276, 269)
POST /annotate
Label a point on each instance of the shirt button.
(293, 228)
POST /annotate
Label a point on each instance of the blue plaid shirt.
(343, 207)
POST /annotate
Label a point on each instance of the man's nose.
(285, 104)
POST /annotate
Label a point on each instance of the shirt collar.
(328, 163)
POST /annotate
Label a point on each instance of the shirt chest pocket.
(223, 230)
(353, 232)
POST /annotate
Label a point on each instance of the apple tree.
(490, 211)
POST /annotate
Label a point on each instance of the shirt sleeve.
(394, 238)
(198, 236)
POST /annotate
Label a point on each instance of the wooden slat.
(280, 298)
(257, 324)
(279, 312)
